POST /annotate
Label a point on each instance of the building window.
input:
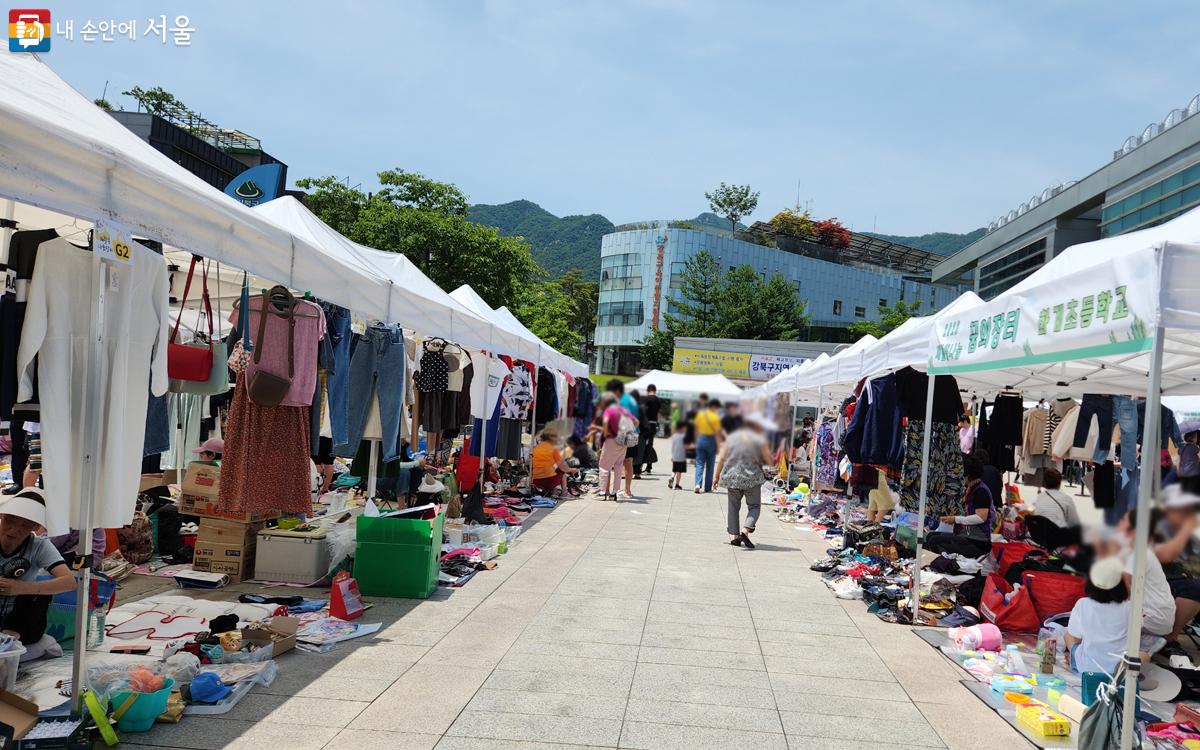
(882, 302)
(619, 314)
(837, 307)
(860, 312)
(677, 269)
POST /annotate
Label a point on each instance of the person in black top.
(732, 421)
(583, 454)
(649, 406)
(991, 475)
(972, 535)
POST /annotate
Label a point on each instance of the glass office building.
(641, 272)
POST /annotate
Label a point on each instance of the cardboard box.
(219, 551)
(201, 479)
(222, 531)
(17, 717)
(150, 481)
(208, 507)
(280, 634)
(238, 569)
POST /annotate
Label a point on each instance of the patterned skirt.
(946, 483)
(265, 467)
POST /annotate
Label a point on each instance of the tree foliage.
(157, 101)
(562, 312)
(890, 318)
(732, 201)
(831, 232)
(793, 222)
(737, 304)
(425, 220)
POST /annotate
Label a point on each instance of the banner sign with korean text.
(732, 364)
(1094, 311)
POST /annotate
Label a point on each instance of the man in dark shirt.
(732, 421)
(647, 428)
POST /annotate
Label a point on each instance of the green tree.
(425, 220)
(335, 202)
(547, 310)
(732, 201)
(657, 350)
(700, 295)
(585, 300)
(415, 190)
(103, 104)
(890, 319)
(781, 314)
(157, 101)
(737, 314)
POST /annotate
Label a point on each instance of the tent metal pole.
(97, 378)
(916, 570)
(6, 233)
(483, 422)
(1151, 437)
(373, 469)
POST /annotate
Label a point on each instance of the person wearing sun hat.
(1178, 550)
(210, 451)
(24, 556)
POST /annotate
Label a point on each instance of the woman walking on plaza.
(708, 434)
(612, 453)
(740, 470)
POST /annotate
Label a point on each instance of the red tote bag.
(1017, 616)
(191, 362)
(1009, 553)
(1053, 593)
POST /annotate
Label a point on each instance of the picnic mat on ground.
(167, 571)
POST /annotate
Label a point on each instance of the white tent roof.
(908, 344)
(676, 385)
(62, 153)
(533, 347)
(1085, 322)
(416, 302)
(784, 381)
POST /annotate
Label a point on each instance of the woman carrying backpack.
(612, 452)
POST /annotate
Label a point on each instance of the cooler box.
(398, 557)
(292, 556)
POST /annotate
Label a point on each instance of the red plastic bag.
(1009, 553)
(1053, 593)
(345, 603)
(1016, 616)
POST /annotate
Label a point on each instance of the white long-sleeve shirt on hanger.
(62, 298)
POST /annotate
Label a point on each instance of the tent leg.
(483, 431)
(916, 572)
(6, 233)
(96, 385)
(1151, 434)
(373, 470)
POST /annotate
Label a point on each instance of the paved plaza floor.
(618, 625)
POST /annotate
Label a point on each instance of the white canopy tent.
(1120, 315)
(682, 385)
(60, 152)
(532, 347)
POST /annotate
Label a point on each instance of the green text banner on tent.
(1091, 312)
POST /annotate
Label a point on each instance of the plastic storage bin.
(398, 557)
(10, 660)
(292, 556)
(145, 708)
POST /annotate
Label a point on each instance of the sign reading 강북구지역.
(732, 364)
(1101, 310)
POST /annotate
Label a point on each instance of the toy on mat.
(982, 637)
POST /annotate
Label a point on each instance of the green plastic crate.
(397, 557)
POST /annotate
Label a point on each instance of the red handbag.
(1053, 593)
(1018, 615)
(186, 362)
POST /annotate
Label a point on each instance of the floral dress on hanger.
(826, 457)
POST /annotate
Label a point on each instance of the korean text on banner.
(706, 362)
(1095, 311)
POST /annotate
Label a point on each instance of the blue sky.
(908, 117)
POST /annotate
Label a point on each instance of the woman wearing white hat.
(24, 556)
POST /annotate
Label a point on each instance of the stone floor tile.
(571, 730)
(646, 736)
(904, 731)
(548, 704)
(742, 718)
(365, 739)
(562, 682)
(695, 658)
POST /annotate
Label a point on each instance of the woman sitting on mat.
(549, 471)
(972, 535)
(24, 556)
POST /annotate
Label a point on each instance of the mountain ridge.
(560, 243)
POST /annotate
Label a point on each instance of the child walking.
(678, 455)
